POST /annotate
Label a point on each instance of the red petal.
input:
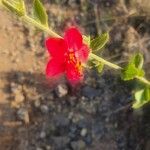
(56, 47)
(73, 38)
(83, 53)
(54, 68)
(73, 75)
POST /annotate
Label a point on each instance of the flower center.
(72, 60)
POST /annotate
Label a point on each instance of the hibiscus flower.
(67, 55)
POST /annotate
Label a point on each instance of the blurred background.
(41, 114)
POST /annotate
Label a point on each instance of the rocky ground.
(40, 114)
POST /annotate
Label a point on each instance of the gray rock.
(83, 132)
(42, 135)
(48, 147)
(37, 103)
(44, 109)
(90, 92)
(61, 142)
(23, 115)
(61, 90)
(38, 148)
(78, 145)
(61, 121)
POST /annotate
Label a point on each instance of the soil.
(37, 113)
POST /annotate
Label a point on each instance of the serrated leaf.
(86, 39)
(99, 42)
(16, 6)
(39, 12)
(130, 72)
(142, 97)
(134, 68)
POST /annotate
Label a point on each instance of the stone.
(83, 132)
(37, 103)
(48, 147)
(23, 115)
(38, 148)
(78, 145)
(61, 90)
(42, 135)
(61, 142)
(61, 121)
(90, 92)
(44, 109)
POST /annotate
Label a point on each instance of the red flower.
(67, 55)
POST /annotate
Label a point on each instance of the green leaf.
(16, 6)
(134, 68)
(130, 72)
(86, 39)
(99, 42)
(39, 12)
(142, 97)
(100, 67)
(138, 60)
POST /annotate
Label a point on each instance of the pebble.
(78, 145)
(83, 132)
(15, 87)
(38, 148)
(42, 135)
(44, 109)
(18, 99)
(61, 90)
(23, 115)
(48, 147)
(37, 103)
(90, 92)
(61, 142)
(61, 120)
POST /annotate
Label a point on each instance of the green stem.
(40, 26)
(111, 65)
(142, 79)
(104, 61)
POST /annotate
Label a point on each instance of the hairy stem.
(104, 61)
(40, 26)
(114, 66)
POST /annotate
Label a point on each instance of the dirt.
(41, 114)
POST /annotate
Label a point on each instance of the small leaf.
(16, 6)
(130, 72)
(86, 39)
(99, 42)
(39, 12)
(134, 68)
(142, 97)
(138, 60)
(100, 67)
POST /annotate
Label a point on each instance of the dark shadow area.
(76, 119)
